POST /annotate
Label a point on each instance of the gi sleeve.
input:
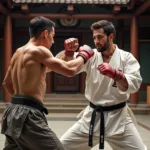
(132, 74)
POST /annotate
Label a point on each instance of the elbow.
(71, 73)
(3, 84)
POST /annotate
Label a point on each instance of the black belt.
(101, 109)
(29, 101)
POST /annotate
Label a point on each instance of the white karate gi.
(120, 131)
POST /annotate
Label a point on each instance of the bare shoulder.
(40, 50)
(15, 56)
(39, 53)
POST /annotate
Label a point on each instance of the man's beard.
(105, 47)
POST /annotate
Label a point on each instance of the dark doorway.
(62, 84)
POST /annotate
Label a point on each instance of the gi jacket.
(99, 91)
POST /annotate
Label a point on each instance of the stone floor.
(143, 128)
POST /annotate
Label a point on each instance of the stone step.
(54, 95)
(76, 107)
(65, 109)
(80, 102)
(86, 102)
(139, 105)
(62, 116)
(141, 111)
(65, 104)
(64, 98)
(79, 109)
(66, 101)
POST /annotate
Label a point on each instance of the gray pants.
(26, 128)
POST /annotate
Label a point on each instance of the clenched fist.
(106, 70)
(70, 45)
(86, 52)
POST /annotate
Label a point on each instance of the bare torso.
(28, 75)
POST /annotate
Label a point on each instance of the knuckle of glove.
(88, 50)
(66, 45)
(85, 52)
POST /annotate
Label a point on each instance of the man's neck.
(108, 53)
(36, 42)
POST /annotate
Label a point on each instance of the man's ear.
(111, 36)
(45, 33)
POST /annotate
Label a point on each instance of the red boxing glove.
(105, 69)
(70, 45)
(85, 52)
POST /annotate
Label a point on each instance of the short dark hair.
(39, 24)
(106, 25)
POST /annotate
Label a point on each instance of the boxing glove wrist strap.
(83, 56)
(69, 53)
(117, 75)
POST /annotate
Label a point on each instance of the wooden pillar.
(134, 48)
(148, 94)
(7, 50)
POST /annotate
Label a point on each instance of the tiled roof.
(75, 1)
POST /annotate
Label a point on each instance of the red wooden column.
(7, 50)
(134, 48)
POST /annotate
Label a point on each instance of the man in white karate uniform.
(112, 75)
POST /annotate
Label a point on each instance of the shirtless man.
(23, 121)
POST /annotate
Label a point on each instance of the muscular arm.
(69, 68)
(61, 55)
(7, 83)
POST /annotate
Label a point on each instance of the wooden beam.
(145, 40)
(70, 9)
(131, 5)
(142, 8)
(3, 10)
(75, 16)
(25, 8)
(116, 9)
(144, 16)
(9, 3)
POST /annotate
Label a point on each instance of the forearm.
(76, 64)
(61, 55)
(84, 54)
(123, 84)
